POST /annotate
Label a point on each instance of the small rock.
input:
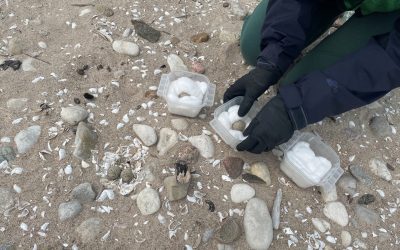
(15, 47)
(27, 65)
(329, 195)
(348, 184)
(126, 48)
(336, 212)
(179, 124)
(146, 31)
(359, 173)
(83, 193)
(276, 210)
(148, 201)
(198, 67)
(85, 142)
(127, 32)
(233, 166)
(379, 168)
(242, 192)
(6, 199)
(89, 230)
(200, 37)
(229, 35)
(229, 231)
(146, 134)
(321, 224)
(237, 9)
(114, 172)
(73, 115)
(367, 215)
(7, 154)
(366, 199)
(207, 235)
(17, 104)
(225, 5)
(175, 191)
(380, 126)
(252, 178)
(127, 175)
(152, 94)
(42, 45)
(224, 247)
(168, 139)
(239, 125)
(260, 169)
(175, 63)
(257, 224)
(204, 144)
(69, 210)
(188, 154)
(346, 238)
(104, 10)
(359, 244)
(25, 139)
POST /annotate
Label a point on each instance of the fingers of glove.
(232, 92)
(247, 144)
(253, 124)
(258, 148)
(246, 105)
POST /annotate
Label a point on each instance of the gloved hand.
(270, 128)
(251, 86)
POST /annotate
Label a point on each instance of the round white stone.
(242, 192)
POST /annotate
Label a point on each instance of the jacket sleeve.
(289, 26)
(356, 80)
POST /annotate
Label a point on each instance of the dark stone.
(146, 31)
(229, 231)
(127, 175)
(225, 5)
(200, 37)
(88, 96)
(77, 100)
(152, 94)
(252, 178)
(233, 166)
(7, 154)
(366, 199)
(114, 172)
(390, 167)
(14, 64)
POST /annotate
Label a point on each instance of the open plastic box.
(221, 130)
(184, 109)
(329, 180)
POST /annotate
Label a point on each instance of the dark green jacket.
(371, 6)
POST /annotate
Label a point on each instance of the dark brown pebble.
(88, 96)
(77, 101)
(252, 178)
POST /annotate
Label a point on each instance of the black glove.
(270, 128)
(251, 86)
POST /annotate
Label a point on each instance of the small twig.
(37, 59)
(82, 4)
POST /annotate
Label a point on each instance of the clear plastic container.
(185, 109)
(329, 180)
(221, 130)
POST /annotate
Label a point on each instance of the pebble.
(348, 184)
(366, 215)
(346, 238)
(127, 32)
(237, 9)
(257, 224)
(260, 169)
(104, 10)
(25, 139)
(15, 47)
(233, 166)
(380, 126)
(6, 199)
(146, 134)
(175, 191)
(366, 199)
(148, 201)
(175, 63)
(252, 178)
(336, 212)
(329, 195)
(83, 193)
(200, 37)
(188, 154)
(242, 192)
(276, 210)
(89, 230)
(126, 48)
(239, 125)
(168, 139)
(27, 65)
(7, 154)
(127, 175)
(229, 231)
(69, 210)
(359, 244)
(359, 173)
(85, 142)
(179, 124)
(42, 45)
(114, 172)
(229, 36)
(17, 104)
(321, 224)
(207, 235)
(204, 144)
(379, 168)
(73, 115)
(224, 247)
(146, 31)
(198, 68)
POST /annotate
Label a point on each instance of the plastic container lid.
(293, 171)
(221, 130)
(185, 109)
